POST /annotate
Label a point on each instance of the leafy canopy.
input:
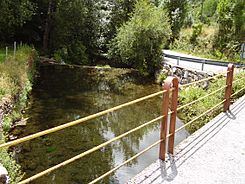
(139, 41)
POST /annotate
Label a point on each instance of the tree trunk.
(47, 27)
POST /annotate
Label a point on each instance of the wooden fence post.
(164, 123)
(14, 49)
(6, 52)
(228, 89)
(173, 116)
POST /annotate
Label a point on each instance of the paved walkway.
(213, 154)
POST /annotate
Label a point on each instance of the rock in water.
(3, 175)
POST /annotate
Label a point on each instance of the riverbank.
(192, 93)
(16, 81)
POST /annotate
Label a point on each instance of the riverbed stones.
(3, 175)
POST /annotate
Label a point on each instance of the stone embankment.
(184, 75)
(5, 107)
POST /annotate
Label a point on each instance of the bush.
(139, 41)
(231, 19)
(73, 53)
(196, 31)
(10, 164)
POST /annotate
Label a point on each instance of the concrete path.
(195, 66)
(213, 154)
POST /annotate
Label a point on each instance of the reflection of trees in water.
(128, 118)
(58, 100)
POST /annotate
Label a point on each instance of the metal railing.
(201, 61)
(169, 108)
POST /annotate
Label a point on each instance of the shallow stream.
(63, 94)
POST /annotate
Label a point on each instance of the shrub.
(7, 159)
(139, 41)
(231, 19)
(196, 31)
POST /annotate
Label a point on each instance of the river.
(62, 94)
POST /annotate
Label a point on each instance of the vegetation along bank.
(189, 94)
(16, 79)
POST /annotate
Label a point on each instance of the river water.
(63, 94)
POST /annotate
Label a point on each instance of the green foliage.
(231, 19)
(15, 83)
(139, 41)
(161, 77)
(14, 170)
(209, 8)
(117, 13)
(17, 72)
(7, 124)
(239, 85)
(177, 11)
(2, 56)
(190, 112)
(192, 93)
(196, 31)
(74, 35)
(14, 14)
(191, 42)
(203, 11)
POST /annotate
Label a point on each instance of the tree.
(14, 14)
(139, 41)
(114, 13)
(177, 11)
(75, 27)
(47, 26)
(231, 20)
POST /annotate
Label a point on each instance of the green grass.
(192, 93)
(203, 46)
(2, 56)
(15, 73)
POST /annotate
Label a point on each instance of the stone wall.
(184, 75)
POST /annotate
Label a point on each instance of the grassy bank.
(15, 83)
(2, 55)
(192, 93)
(199, 41)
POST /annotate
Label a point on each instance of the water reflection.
(57, 99)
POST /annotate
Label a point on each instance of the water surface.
(63, 94)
